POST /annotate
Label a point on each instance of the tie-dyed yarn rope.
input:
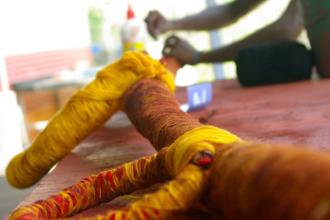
(232, 179)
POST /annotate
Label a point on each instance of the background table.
(295, 113)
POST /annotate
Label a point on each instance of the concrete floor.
(10, 197)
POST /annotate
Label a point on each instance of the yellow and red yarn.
(88, 109)
(96, 189)
(178, 195)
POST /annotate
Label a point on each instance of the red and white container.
(133, 33)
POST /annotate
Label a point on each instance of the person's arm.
(215, 17)
(211, 18)
(286, 28)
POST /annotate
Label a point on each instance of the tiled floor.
(9, 197)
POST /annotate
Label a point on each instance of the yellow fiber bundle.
(88, 109)
(202, 138)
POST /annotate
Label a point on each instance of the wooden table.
(295, 113)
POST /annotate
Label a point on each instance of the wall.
(42, 37)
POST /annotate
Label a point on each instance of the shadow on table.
(10, 197)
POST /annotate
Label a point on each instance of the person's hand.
(181, 50)
(157, 23)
